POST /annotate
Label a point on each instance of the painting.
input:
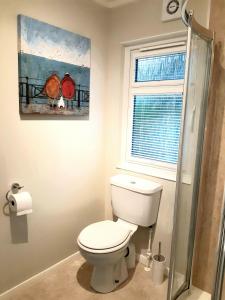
(54, 70)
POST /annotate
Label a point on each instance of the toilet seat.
(105, 236)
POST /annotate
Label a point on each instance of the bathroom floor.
(70, 280)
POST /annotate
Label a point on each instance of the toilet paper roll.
(20, 203)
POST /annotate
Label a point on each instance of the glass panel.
(187, 194)
(156, 127)
(158, 68)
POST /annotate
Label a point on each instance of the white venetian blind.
(156, 127)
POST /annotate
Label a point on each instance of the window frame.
(131, 88)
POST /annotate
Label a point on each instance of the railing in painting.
(31, 89)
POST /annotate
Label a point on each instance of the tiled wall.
(212, 184)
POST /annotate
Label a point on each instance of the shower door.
(197, 78)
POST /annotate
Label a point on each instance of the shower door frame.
(205, 34)
(220, 265)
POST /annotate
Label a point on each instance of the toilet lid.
(103, 235)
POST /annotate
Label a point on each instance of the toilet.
(106, 245)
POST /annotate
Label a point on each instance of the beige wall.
(59, 161)
(135, 21)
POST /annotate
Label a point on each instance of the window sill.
(153, 171)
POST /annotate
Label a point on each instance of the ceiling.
(113, 3)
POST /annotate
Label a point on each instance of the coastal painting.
(54, 70)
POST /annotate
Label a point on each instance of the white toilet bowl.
(105, 246)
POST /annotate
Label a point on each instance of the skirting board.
(39, 274)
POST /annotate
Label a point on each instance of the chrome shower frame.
(206, 34)
(220, 265)
(189, 21)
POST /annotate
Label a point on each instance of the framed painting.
(54, 70)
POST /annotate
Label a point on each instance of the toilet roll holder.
(15, 188)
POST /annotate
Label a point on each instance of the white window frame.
(131, 88)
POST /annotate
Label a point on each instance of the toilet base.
(105, 278)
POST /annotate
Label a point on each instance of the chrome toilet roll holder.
(15, 188)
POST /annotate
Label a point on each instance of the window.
(153, 108)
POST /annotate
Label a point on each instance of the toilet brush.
(160, 257)
(158, 268)
(159, 251)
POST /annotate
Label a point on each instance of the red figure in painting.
(52, 88)
(68, 87)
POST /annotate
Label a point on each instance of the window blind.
(156, 127)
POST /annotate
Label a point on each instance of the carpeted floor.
(70, 280)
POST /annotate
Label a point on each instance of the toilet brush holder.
(158, 269)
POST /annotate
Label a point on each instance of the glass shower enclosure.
(196, 88)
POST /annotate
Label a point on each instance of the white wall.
(141, 19)
(59, 161)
